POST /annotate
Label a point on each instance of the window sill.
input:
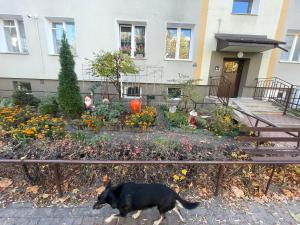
(244, 14)
(15, 53)
(289, 62)
(180, 60)
(51, 54)
(136, 58)
(132, 97)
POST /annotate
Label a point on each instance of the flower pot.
(135, 105)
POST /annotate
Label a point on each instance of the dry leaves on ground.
(32, 189)
(5, 183)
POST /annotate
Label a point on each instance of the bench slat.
(272, 129)
(270, 152)
(265, 139)
(288, 159)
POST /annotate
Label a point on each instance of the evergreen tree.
(69, 98)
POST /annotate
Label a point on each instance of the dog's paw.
(157, 222)
(136, 215)
(109, 219)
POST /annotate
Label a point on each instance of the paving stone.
(215, 212)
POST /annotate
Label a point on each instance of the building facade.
(170, 41)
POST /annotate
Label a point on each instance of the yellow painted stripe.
(278, 36)
(201, 38)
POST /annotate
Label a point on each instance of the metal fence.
(278, 91)
(219, 86)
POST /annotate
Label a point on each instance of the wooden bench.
(271, 154)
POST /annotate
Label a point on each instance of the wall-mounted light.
(240, 55)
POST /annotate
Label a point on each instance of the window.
(174, 93)
(132, 40)
(245, 6)
(133, 92)
(178, 43)
(57, 29)
(22, 86)
(12, 36)
(293, 47)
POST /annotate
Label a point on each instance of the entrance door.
(232, 71)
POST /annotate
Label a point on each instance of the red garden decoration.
(136, 105)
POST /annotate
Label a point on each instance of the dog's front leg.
(157, 222)
(112, 217)
(137, 214)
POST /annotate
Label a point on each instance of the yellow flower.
(184, 171)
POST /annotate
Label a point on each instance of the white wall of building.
(290, 71)
(221, 20)
(96, 29)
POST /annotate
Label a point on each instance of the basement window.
(174, 93)
(22, 86)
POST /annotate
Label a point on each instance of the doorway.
(232, 72)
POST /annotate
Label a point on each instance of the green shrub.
(201, 123)
(22, 98)
(223, 122)
(49, 105)
(177, 119)
(5, 102)
(109, 111)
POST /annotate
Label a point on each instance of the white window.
(245, 7)
(178, 43)
(22, 86)
(174, 93)
(133, 92)
(57, 29)
(12, 36)
(132, 40)
(293, 46)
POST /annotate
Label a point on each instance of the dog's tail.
(185, 204)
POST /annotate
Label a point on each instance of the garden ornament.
(173, 109)
(88, 102)
(192, 118)
(105, 100)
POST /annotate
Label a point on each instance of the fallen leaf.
(32, 189)
(237, 192)
(75, 191)
(45, 195)
(184, 172)
(100, 190)
(295, 216)
(63, 199)
(5, 183)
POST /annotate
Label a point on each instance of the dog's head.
(104, 197)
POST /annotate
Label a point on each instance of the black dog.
(128, 197)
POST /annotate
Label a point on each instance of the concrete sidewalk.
(213, 212)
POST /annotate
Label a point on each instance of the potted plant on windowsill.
(140, 52)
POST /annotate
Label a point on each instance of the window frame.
(177, 51)
(64, 23)
(132, 97)
(22, 49)
(293, 47)
(253, 7)
(174, 98)
(132, 25)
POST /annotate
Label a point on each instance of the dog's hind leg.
(157, 222)
(179, 214)
(137, 214)
(111, 218)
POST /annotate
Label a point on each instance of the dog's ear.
(108, 186)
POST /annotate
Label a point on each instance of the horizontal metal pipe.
(141, 162)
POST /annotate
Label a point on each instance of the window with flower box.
(132, 40)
